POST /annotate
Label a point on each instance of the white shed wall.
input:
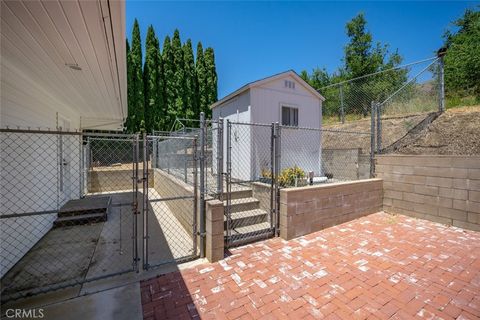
(298, 147)
(236, 110)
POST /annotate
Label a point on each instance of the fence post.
(441, 75)
(202, 184)
(135, 203)
(145, 202)
(195, 195)
(273, 220)
(372, 139)
(378, 108)
(228, 177)
(342, 108)
(220, 159)
(278, 164)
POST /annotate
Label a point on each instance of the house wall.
(444, 189)
(30, 183)
(236, 110)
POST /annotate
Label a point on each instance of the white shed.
(284, 98)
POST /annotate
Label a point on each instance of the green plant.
(266, 173)
(287, 176)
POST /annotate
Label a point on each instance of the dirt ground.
(456, 132)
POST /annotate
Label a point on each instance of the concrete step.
(249, 234)
(85, 206)
(243, 204)
(79, 220)
(239, 194)
(247, 218)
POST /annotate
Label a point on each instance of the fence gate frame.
(86, 155)
(150, 148)
(274, 167)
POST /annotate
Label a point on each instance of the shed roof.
(268, 79)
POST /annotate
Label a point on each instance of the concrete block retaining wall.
(169, 186)
(113, 180)
(444, 189)
(308, 209)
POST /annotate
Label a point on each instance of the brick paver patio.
(376, 267)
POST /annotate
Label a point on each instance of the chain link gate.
(67, 210)
(170, 199)
(251, 195)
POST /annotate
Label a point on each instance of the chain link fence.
(170, 199)
(250, 182)
(352, 99)
(51, 237)
(313, 156)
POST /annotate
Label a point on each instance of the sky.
(253, 40)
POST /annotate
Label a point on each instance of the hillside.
(457, 131)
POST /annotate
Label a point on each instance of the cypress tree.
(153, 93)
(169, 84)
(211, 77)
(179, 75)
(128, 120)
(190, 82)
(201, 80)
(135, 81)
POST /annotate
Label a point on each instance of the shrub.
(287, 176)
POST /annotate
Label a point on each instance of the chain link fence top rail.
(43, 245)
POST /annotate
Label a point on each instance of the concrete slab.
(115, 304)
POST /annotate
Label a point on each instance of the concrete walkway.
(376, 267)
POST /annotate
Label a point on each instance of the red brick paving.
(376, 267)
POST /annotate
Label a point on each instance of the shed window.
(289, 84)
(289, 116)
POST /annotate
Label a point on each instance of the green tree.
(211, 77)
(202, 96)
(169, 84)
(135, 82)
(362, 58)
(462, 60)
(191, 109)
(128, 121)
(179, 75)
(152, 83)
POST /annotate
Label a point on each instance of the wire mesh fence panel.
(409, 108)
(313, 156)
(249, 190)
(53, 234)
(170, 200)
(351, 100)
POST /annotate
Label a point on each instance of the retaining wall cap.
(330, 185)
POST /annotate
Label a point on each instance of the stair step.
(243, 204)
(84, 206)
(239, 194)
(247, 218)
(248, 234)
(79, 219)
